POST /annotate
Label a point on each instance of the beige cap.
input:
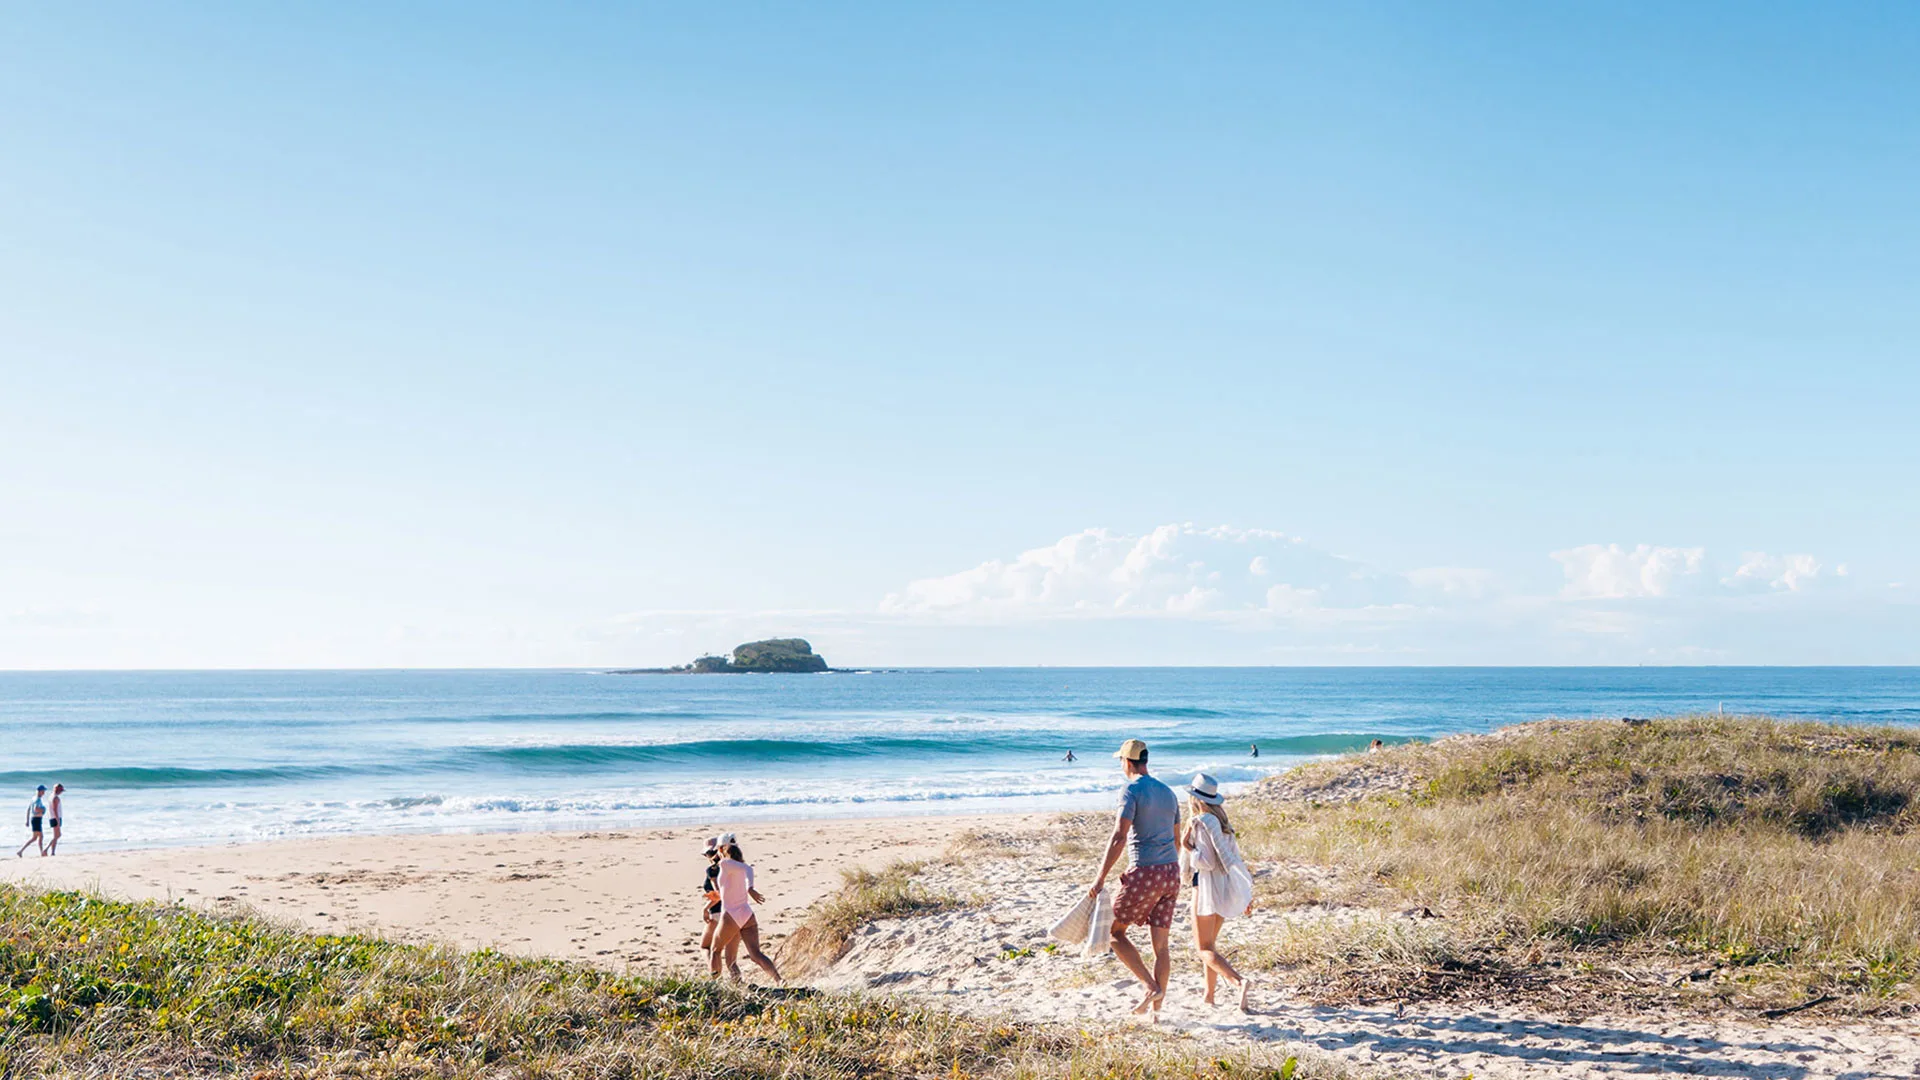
(1132, 750)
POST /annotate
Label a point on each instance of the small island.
(782, 655)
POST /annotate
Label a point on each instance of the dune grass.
(1759, 859)
(865, 895)
(91, 987)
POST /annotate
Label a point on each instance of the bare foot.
(1209, 997)
(1246, 990)
(1151, 1002)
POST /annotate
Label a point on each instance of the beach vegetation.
(864, 897)
(1746, 859)
(95, 987)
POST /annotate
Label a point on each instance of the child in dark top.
(710, 892)
(710, 898)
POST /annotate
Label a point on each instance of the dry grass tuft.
(1783, 856)
(865, 895)
(1080, 835)
(979, 843)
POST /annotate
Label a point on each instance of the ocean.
(164, 758)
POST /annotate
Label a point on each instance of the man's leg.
(1162, 958)
(1130, 956)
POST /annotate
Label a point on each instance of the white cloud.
(1286, 599)
(1611, 572)
(1454, 581)
(1778, 573)
(1174, 569)
(1187, 594)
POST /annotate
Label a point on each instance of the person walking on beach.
(710, 900)
(36, 815)
(737, 922)
(710, 894)
(53, 818)
(1149, 822)
(1222, 887)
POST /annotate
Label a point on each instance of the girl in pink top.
(737, 923)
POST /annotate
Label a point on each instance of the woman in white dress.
(1222, 886)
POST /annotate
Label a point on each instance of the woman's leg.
(706, 936)
(750, 935)
(1206, 937)
(1206, 931)
(728, 935)
(1200, 946)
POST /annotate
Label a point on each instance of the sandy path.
(617, 899)
(991, 960)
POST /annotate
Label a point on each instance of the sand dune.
(993, 960)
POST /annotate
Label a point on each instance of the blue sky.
(470, 334)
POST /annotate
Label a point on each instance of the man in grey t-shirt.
(1149, 823)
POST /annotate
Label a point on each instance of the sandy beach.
(618, 899)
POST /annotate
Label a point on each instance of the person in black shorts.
(36, 816)
(53, 818)
(710, 898)
(710, 892)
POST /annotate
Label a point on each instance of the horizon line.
(877, 668)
